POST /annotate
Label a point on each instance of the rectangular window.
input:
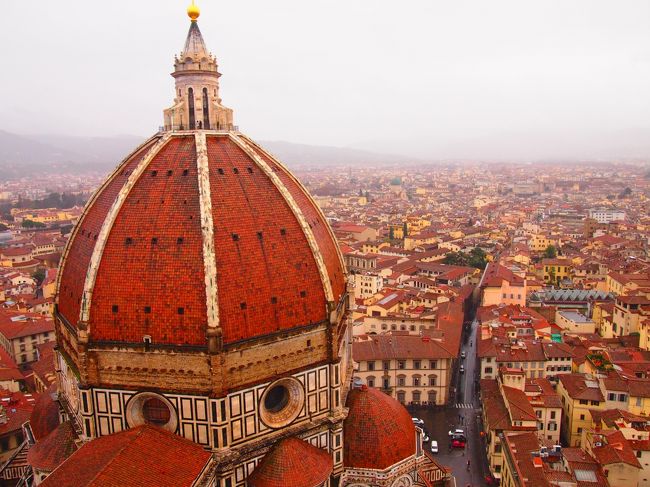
(401, 381)
(386, 364)
(401, 364)
(611, 396)
(552, 414)
(416, 364)
(584, 402)
(433, 364)
(371, 365)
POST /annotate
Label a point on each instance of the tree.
(391, 233)
(550, 252)
(477, 258)
(405, 229)
(456, 258)
(39, 275)
(32, 224)
(625, 193)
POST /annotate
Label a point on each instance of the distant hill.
(302, 155)
(24, 155)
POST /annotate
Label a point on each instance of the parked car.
(462, 369)
(457, 432)
(463, 354)
(434, 446)
(458, 443)
(425, 437)
(418, 421)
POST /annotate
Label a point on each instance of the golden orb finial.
(193, 12)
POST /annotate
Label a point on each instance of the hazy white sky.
(413, 77)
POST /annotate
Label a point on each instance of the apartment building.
(414, 369)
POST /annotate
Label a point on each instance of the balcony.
(185, 128)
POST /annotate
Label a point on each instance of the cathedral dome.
(379, 431)
(292, 462)
(196, 234)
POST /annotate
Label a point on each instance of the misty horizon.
(504, 81)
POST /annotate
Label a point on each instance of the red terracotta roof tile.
(45, 416)
(125, 459)
(292, 462)
(253, 223)
(51, 451)
(378, 431)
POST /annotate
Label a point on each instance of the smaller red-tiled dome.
(54, 449)
(45, 416)
(378, 431)
(292, 462)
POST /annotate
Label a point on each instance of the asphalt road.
(463, 412)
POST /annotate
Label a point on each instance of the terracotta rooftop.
(275, 259)
(292, 462)
(579, 386)
(378, 431)
(399, 346)
(125, 459)
(51, 451)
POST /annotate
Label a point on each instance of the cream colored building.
(580, 393)
(574, 322)
(630, 313)
(548, 409)
(20, 335)
(366, 284)
(411, 368)
(372, 325)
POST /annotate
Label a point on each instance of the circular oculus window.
(151, 408)
(281, 402)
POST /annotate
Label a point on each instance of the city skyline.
(504, 81)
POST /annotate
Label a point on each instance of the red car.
(458, 443)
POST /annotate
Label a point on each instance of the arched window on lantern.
(206, 110)
(190, 105)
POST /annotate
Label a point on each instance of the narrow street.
(463, 412)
